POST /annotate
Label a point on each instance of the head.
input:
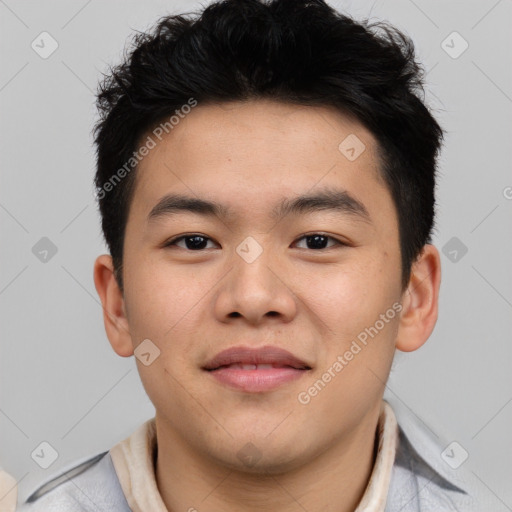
(293, 134)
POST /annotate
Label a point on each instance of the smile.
(256, 370)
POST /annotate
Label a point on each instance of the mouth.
(256, 370)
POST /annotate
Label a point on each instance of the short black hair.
(294, 51)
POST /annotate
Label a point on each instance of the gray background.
(60, 380)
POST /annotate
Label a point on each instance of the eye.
(192, 242)
(319, 240)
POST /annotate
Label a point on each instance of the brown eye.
(317, 241)
(191, 242)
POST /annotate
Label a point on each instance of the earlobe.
(114, 309)
(420, 301)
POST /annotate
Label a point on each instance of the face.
(318, 278)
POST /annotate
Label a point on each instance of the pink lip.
(285, 368)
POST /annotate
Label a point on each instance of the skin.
(311, 302)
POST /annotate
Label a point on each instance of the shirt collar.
(133, 460)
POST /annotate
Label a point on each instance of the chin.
(259, 455)
(252, 461)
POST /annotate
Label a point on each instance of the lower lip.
(254, 381)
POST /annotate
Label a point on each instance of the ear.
(114, 311)
(420, 301)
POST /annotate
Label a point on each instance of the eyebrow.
(324, 200)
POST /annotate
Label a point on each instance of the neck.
(333, 481)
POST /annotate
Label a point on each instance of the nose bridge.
(254, 289)
(252, 263)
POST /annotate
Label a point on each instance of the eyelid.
(338, 241)
(176, 239)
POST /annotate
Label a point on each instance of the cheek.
(349, 297)
(350, 303)
(163, 301)
(164, 307)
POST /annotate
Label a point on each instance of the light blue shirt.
(425, 477)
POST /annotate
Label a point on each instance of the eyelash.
(172, 242)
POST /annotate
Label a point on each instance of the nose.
(256, 291)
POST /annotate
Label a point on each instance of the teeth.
(248, 366)
(252, 366)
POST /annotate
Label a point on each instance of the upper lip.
(263, 355)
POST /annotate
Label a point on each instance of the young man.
(266, 179)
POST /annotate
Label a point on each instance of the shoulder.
(428, 475)
(84, 486)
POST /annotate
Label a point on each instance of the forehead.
(261, 150)
(224, 128)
